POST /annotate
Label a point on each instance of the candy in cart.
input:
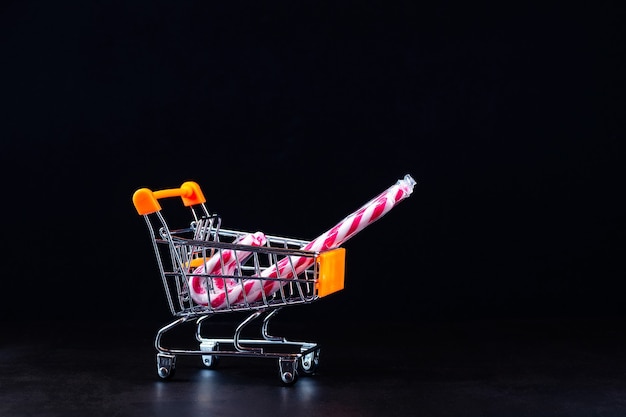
(208, 271)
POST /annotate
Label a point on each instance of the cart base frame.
(295, 358)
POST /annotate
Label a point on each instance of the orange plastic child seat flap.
(331, 271)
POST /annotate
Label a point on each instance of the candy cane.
(221, 264)
(333, 238)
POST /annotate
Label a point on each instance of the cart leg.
(238, 330)
(288, 370)
(265, 327)
(166, 365)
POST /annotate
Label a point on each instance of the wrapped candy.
(203, 285)
(253, 288)
(352, 224)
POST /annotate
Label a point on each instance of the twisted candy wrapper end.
(407, 184)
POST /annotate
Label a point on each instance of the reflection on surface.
(251, 389)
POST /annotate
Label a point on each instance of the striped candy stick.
(223, 264)
(351, 225)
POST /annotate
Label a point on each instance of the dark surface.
(473, 368)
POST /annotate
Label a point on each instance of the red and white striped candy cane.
(333, 238)
(223, 264)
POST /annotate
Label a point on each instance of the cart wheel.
(288, 371)
(289, 378)
(166, 366)
(210, 361)
(310, 362)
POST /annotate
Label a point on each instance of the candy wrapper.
(223, 263)
(331, 239)
(252, 290)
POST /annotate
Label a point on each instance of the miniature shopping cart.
(209, 271)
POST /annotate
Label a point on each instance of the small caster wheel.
(166, 366)
(289, 378)
(210, 361)
(166, 373)
(310, 362)
(288, 371)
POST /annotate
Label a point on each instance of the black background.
(291, 115)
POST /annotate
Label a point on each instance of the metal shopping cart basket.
(208, 271)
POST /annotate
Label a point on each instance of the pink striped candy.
(333, 238)
(221, 265)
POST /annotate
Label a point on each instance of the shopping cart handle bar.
(146, 200)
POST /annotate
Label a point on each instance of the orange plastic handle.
(146, 200)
